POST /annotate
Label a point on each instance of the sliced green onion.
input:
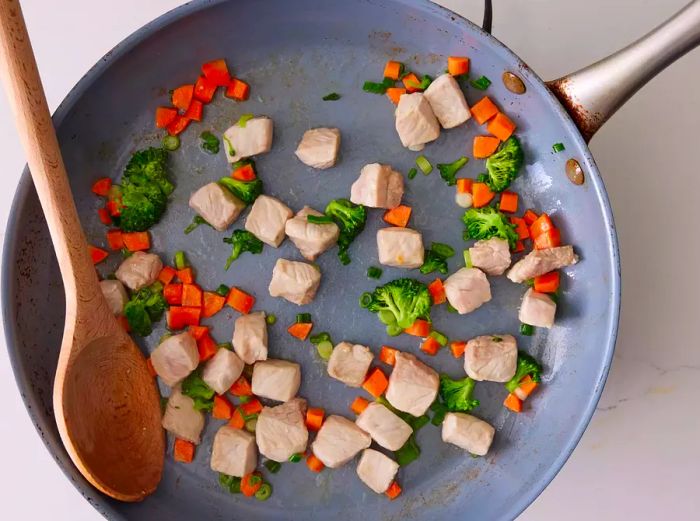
(231, 150)
(223, 290)
(333, 96)
(450, 308)
(232, 484)
(554, 297)
(270, 319)
(374, 273)
(467, 259)
(425, 82)
(325, 349)
(424, 165)
(264, 492)
(412, 173)
(558, 147)
(171, 143)
(319, 219)
(255, 479)
(244, 399)
(365, 300)
(527, 329)
(481, 84)
(442, 249)
(126, 253)
(196, 222)
(250, 426)
(180, 260)
(164, 337)
(273, 466)
(303, 318)
(321, 337)
(244, 119)
(225, 345)
(530, 283)
(209, 142)
(295, 458)
(378, 88)
(441, 339)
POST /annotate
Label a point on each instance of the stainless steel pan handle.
(593, 94)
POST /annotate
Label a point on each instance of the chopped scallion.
(223, 290)
(264, 492)
(320, 337)
(225, 345)
(273, 466)
(325, 349)
(442, 249)
(412, 173)
(467, 259)
(171, 143)
(558, 147)
(378, 88)
(481, 83)
(527, 329)
(333, 96)
(295, 458)
(244, 119)
(271, 319)
(365, 300)
(180, 260)
(441, 339)
(424, 165)
(450, 308)
(303, 318)
(209, 142)
(251, 424)
(374, 273)
(319, 219)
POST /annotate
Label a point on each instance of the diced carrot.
(115, 239)
(359, 404)
(186, 275)
(198, 332)
(223, 410)
(104, 216)
(457, 65)
(178, 125)
(238, 90)
(251, 483)
(437, 292)
(520, 228)
(137, 241)
(376, 383)
(165, 116)
(393, 70)
(529, 217)
(241, 387)
(244, 173)
(501, 126)
(388, 355)
(509, 202)
(173, 294)
(430, 346)
(213, 303)
(419, 328)
(240, 300)
(513, 403)
(101, 186)
(547, 283)
(526, 386)
(179, 317)
(393, 491)
(458, 347)
(519, 246)
(484, 146)
(464, 185)
(237, 421)
(395, 93)
(216, 71)
(194, 111)
(548, 239)
(251, 407)
(411, 82)
(481, 195)
(166, 275)
(182, 97)
(300, 331)
(206, 347)
(314, 418)
(183, 451)
(204, 89)
(191, 295)
(483, 110)
(114, 208)
(542, 224)
(314, 464)
(97, 254)
(398, 216)
(124, 323)
(151, 369)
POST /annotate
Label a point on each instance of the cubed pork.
(415, 121)
(539, 262)
(338, 441)
(379, 186)
(175, 358)
(319, 147)
(467, 289)
(467, 432)
(400, 247)
(222, 370)
(376, 470)
(216, 205)
(233, 452)
(492, 256)
(250, 337)
(385, 427)
(447, 101)
(250, 140)
(493, 358)
(413, 385)
(181, 418)
(281, 431)
(295, 281)
(115, 295)
(537, 309)
(312, 239)
(276, 379)
(139, 270)
(267, 218)
(349, 363)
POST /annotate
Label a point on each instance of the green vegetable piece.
(242, 241)
(482, 178)
(526, 366)
(487, 222)
(244, 119)
(196, 222)
(273, 466)
(264, 492)
(325, 349)
(225, 345)
(425, 82)
(442, 249)
(229, 146)
(374, 273)
(412, 173)
(419, 422)
(251, 424)
(223, 290)
(197, 389)
(145, 307)
(295, 458)
(171, 143)
(448, 171)
(481, 83)
(505, 164)
(439, 412)
(164, 337)
(180, 260)
(433, 261)
(320, 337)
(243, 400)
(394, 329)
(351, 219)
(530, 283)
(270, 319)
(377, 88)
(441, 339)
(333, 96)
(456, 395)
(407, 299)
(230, 483)
(319, 219)
(558, 147)
(527, 329)
(303, 318)
(246, 191)
(467, 259)
(450, 308)
(209, 142)
(408, 453)
(424, 165)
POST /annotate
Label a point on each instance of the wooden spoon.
(106, 403)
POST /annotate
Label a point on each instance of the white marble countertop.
(639, 457)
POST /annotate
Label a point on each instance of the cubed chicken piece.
(413, 385)
(319, 147)
(115, 295)
(385, 427)
(400, 247)
(276, 379)
(415, 121)
(447, 101)
(233, 452)
(379, 186)
(493, 358)
(338, 441)
(376, 470)
(175, 358)
(216, 205)
(139, 270)
(467, 432)
(222, 370)
(539, 262)
(537, 309)
(181, 418)
(250, 337)
(467, 289)
(295, 281)
(492, 256)
(281, 431)
(349, 363)
(312, 239)
(267, 218)
(250, 140)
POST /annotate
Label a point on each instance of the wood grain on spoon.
(106, 404)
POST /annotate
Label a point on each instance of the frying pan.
(293, 53)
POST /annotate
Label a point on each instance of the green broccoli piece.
(457, 394)
(398, 303)
(526, 366)
(149, 165)
(145, 307)
(503, 166)
(246, 191)
(351, 219)
(448, 171)
(487, 222)
(242, 241)
(197, 389)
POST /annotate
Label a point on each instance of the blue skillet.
(293, 53)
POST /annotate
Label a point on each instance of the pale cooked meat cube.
(276, 379)
(175, 358)
(539, 262)
(338, 441)
(492, 256)
(250, 337)
(385, 427)
(139, 270)
(400, 247)
(222, 370)
(415, 121)
(467, 289)
(181, 418)
(295, 281)
(376, 470)
(447, 101)
(467, 432)
(216, 205)
(413, 385)
(233, 452)
(319, 147)
(267, 218)
(312, 239)
(379, 186)
(537, 309)
(349, 363)
(250, 140)
(115, 295)
(281, 431)
(493, 358)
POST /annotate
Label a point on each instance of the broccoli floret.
(526, 366)
(448, 171)
(197, 389)
(503, 166)
(149, 165)
(242, 241)
(145, 307)
(351, 219)
(487, 222)
(398, 303)
(246, 191)
(457, 394)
